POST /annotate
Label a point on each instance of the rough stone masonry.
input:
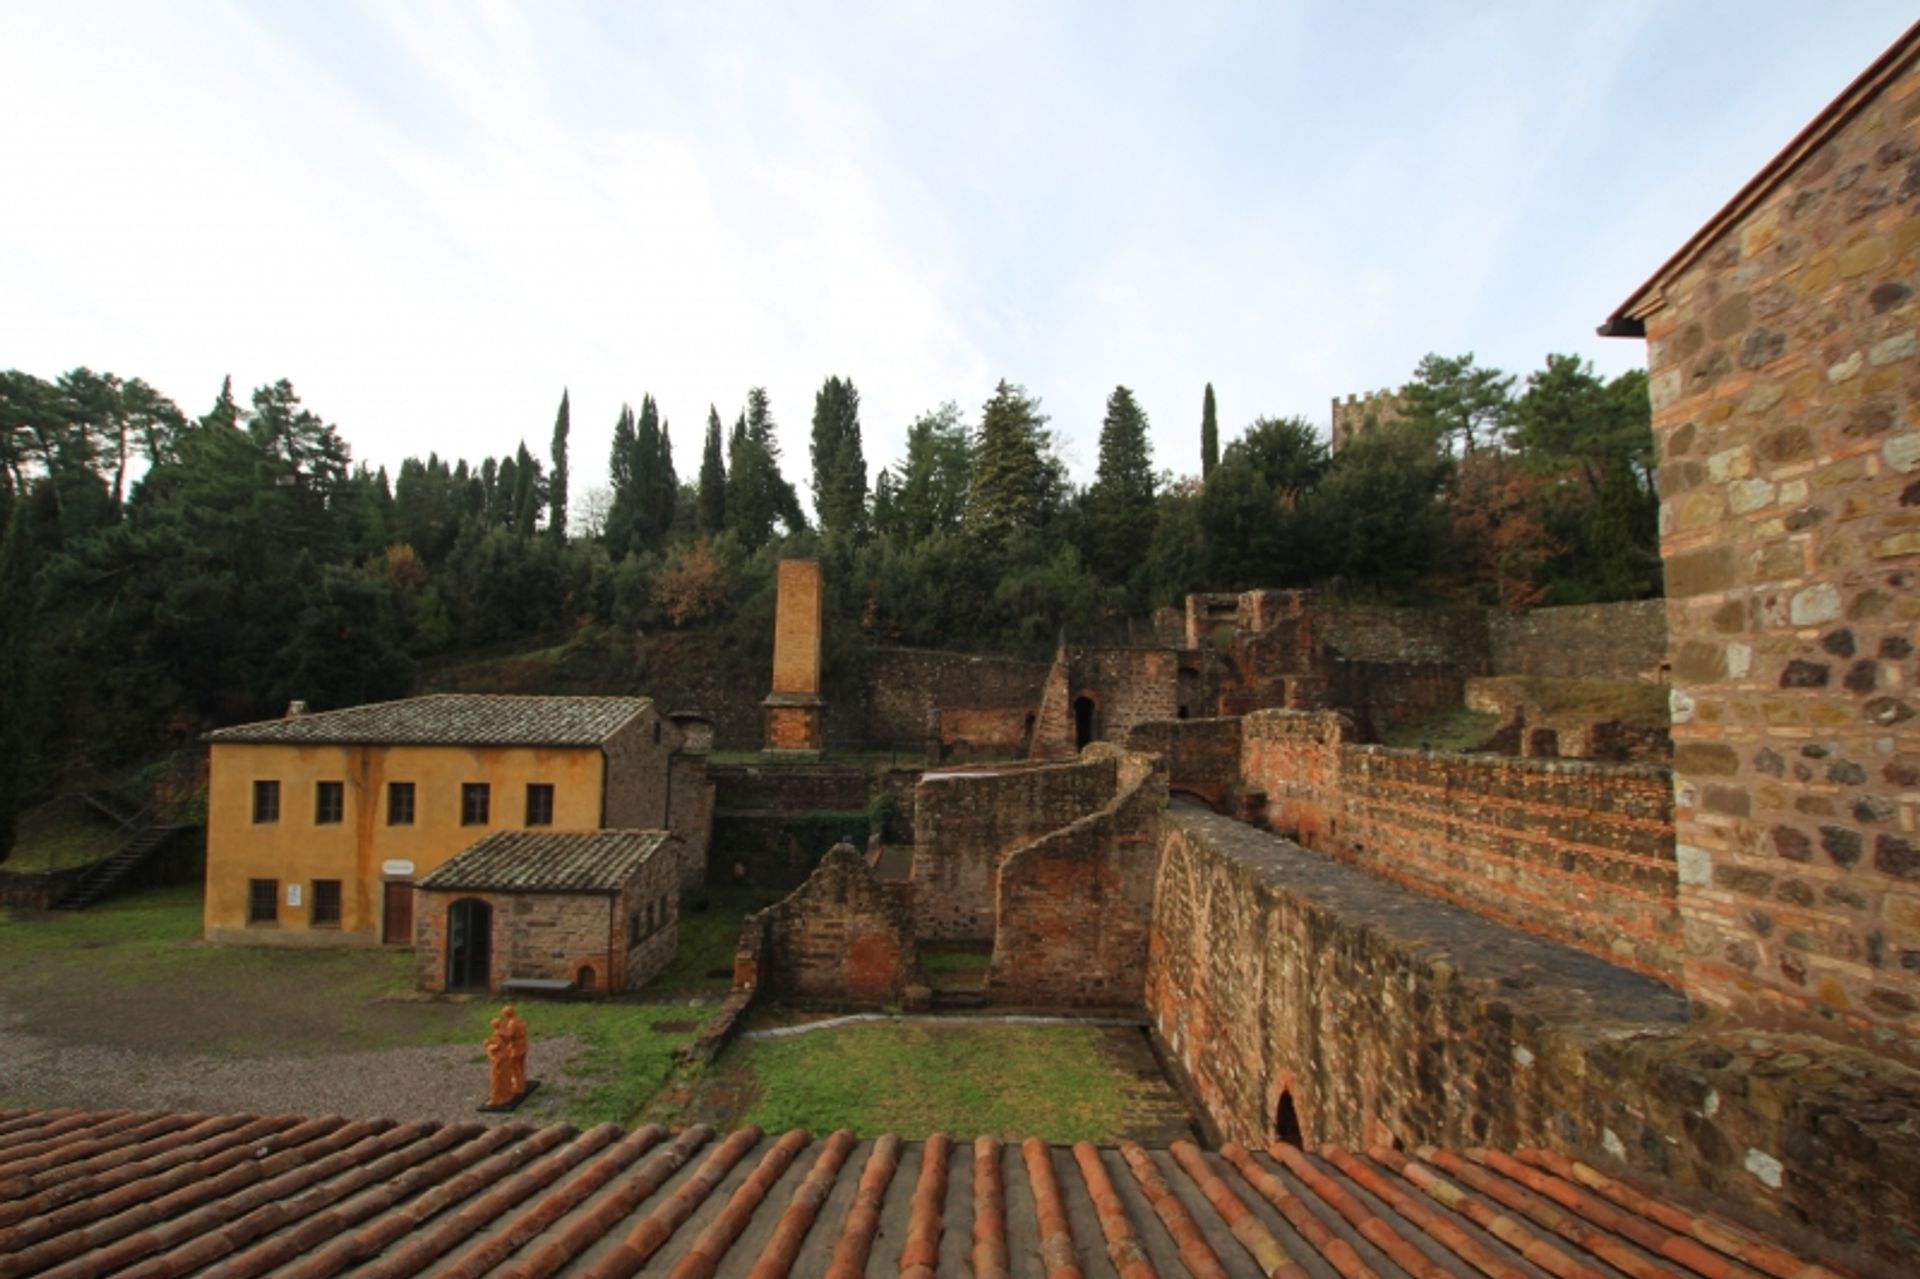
(1784, 355)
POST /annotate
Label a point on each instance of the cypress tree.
(712, 510)
(1209, 435)
(16, 631)
(1120, 511)
(839, 462)
(621, 516)
(557, 485)
(757, 494)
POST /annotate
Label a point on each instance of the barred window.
(263, 901)
(476, 803)
(399, 803)
(326, 904)
(329, 803)
(266, 803)
(539, 804)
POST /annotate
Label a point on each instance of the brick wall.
(1578, 851)
(1074, 905)
(1626, 640)
(1385, 1016)
(649, 923)
(842, 938)
(1202, 755)
(1784, 370)
(540, 935)
(908, 685)
(1053, 728)
(965, 823)
(1367, 633)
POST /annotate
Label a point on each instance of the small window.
(633, 929)
(476, 803)
(266, 803)
(649, 916)
(656, 732)
(399, 803)
(539, 804)
(329, 803)
(326, 904)
(263, 900)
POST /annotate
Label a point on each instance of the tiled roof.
(451, 719)
(169, 1195)
(599, 861)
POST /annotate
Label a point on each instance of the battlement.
(1366, 411)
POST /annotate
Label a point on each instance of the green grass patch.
(1628, 700)
(915, 1079)
(57, 838)
(955, 959)
(709, 937)
(623, 1059)
(1458, 729)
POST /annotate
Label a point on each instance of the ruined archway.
(1286, 1121)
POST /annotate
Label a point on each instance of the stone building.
(594, 911)
(319, 826)
(1358, 414)
(1783, 344)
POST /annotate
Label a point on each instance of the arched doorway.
(1286, 1120)
(469, 944)
(1083, 715)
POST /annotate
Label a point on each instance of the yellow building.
(319, 825)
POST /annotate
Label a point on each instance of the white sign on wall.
(397, 867)
(293, 894)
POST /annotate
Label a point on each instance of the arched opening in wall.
(586, 978)
(1193, 796)
(1083, 717)
(1286, 1120)
(1026, 732)
(1187, 691)
(469, 944)
(1543, 743)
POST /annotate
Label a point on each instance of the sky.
(432, 218)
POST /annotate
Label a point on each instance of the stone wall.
(1426, 636)
(1128, 686)
(1784, 368)
(1626, 640)
(965, 823)
(636, 771)
(1384, 695)
(649, 923)
(788, 788)
(1074, 906)
(907, 687)
(690, 803)
(1578, 851)
(842, 938)
(548, 936)
(1202, 756)
(1380, 1016)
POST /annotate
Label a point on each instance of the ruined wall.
(1128, 686)
(1626, 640)
(907, 686)
(1384, 695)
(966, 822)
(1579, 851)
(774, 821)
(1074, 906)
(1381, 1015)
(1784, 369)
(841, 938)
(1376, 633)
(1202, 756)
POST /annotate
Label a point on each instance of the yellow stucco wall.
(296, 850)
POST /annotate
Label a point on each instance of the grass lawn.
(1458, 729)
(132, 973)
(709, 936)
(56, 838)
(1057, 1082)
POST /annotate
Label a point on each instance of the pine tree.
(1016, 481)
(712, 510)
(839, 462)
(225, 410)
(1209, 434)
(929, 495)
(557, 482)
(1120, 512)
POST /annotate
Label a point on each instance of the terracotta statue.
(499, 1090)
(515, 1031)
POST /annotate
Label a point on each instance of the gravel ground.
(439, 1083)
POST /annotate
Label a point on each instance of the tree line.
(163, 573)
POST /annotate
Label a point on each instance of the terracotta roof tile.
(159, 1195)
(599, 861)
(451, 719)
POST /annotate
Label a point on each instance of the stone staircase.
(107, 876)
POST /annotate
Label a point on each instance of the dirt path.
(442, 1083)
